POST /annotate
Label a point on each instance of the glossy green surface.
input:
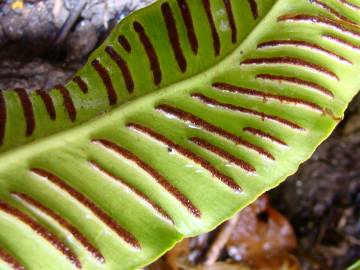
(291, 119)
(355, 266)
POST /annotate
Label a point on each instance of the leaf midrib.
(84, 129)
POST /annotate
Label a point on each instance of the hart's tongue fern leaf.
(186, 114)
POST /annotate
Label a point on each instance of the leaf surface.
(355, 266)
(195, 134)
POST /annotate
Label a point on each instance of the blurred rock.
(30, 33)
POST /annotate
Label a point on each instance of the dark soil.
(322, 201)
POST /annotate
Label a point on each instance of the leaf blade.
(149, 142)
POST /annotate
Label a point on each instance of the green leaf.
(355, 266)
(140, 56)
(179, 153)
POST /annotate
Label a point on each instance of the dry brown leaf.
(262, 237)
(173, 256)
(291, 263)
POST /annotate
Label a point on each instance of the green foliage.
(355, 266)
(186, 114)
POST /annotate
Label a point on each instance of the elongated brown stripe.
(341, 41)
(214, 33)
(121, 232)
(186, 14)
(173, 35)
(66, 225)
(3, 116)
(221, 153)
(289, 61)
(331, 10)
(140, 194)
(104, 75)
(188, 154)
(339, 25)
(153, 173)
(199, 122)
(124, 43)
(10, 260)
(48, 102)
(150, 51)
(263, 116)
(123, 66)
(296, 81)
(231, 19)
(28, 110)
(266, 96)
(81, 83)
(349, 4)
(265, 135)
(305, 44)
(68, 102)
(254, 8)
(42, 231)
